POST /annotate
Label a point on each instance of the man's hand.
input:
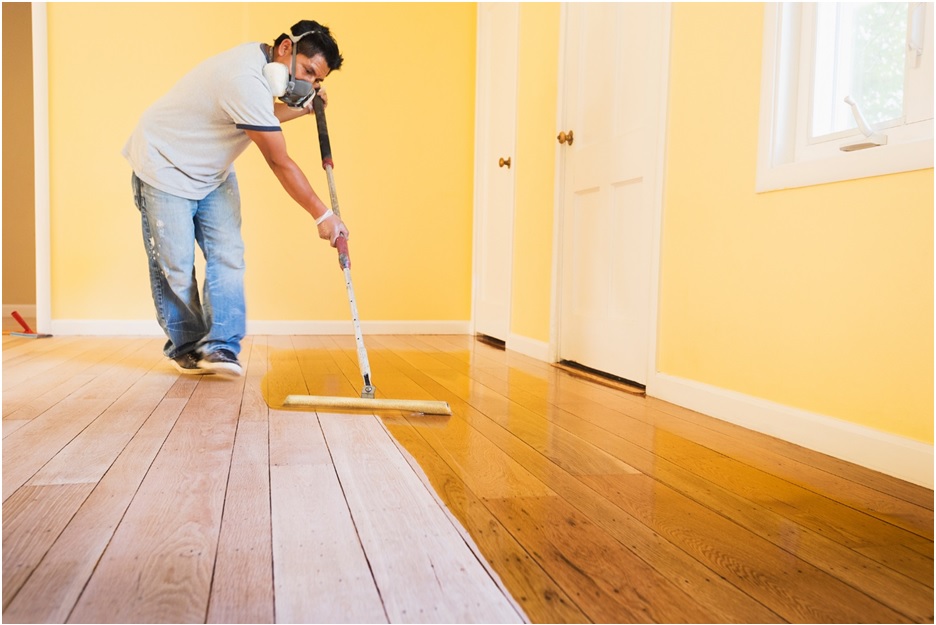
(318, 94)
(332, 228)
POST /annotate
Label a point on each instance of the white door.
(494, 163)
(613, 102)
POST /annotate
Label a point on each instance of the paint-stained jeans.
(171, 227)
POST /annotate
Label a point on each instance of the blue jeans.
(172, 226)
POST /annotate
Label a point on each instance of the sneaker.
(223, 362)
(187, 364)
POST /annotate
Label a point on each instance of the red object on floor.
(23, 323)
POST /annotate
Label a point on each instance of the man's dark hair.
(319, 41)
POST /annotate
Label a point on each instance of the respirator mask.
(293, 92)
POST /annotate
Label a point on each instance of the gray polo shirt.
(186, 142)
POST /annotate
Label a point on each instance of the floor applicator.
(367, 400)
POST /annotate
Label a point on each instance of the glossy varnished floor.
(133, 494)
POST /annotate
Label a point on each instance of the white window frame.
(780, 165)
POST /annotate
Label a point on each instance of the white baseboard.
(81, 327)
(367, 327)
(529, 347)
(894, 455)
(119, 327)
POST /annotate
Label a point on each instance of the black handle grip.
(324, 145)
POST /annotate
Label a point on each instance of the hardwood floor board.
(28, 400)
(607, 581)
(789, 452)
(322, 373)
(574, 455)
(838, 522)
(57, 582)
(425, 570)
(320, 571)
(86, 458)
(283, 376)
(391, 381)
(397, 355)
(476, 447)
(44, 371)
(11, 345)
(893, 509)
(33, 517)
(856, 524)
(453, 351)
(242, 582)
(159, 563)
(880, 582)
(514, 425)
(851, 497)
(47, 368)
(794, 589)
(254, 406)
(28, 410)
(834, 471)
(26, 450)
(17, 351)
(682, 569)
(540, 597)
(870, 575)
(89, 455)
(11, 425)
(883, 505)
(695, 576)
(610, 549)
(242, 585)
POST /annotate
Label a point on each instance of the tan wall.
(19, 227)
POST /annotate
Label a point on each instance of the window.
(847, 92)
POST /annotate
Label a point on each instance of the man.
(184, 185)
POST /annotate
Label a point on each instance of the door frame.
(658, 201)
(42, 207)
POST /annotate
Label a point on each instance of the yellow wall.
(19, 230)
(401, 121)
(535, 170)
(819, 298)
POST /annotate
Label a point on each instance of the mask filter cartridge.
(293, 92)
(277, 75)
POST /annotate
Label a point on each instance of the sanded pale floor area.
(134, 494)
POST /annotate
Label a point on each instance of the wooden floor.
(133, 494)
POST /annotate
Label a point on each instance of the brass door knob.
(504, 161)
(565, 138)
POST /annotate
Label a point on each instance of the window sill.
(878, 161)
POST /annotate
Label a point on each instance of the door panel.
(613, 80)
(494, 198)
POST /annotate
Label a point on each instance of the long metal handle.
(363, 362)
(341, 243)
